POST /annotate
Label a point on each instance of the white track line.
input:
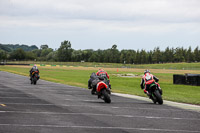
(96, 127)
(88, 100)
(170, 103)
(93, 106)
(17, 93)
(107, 115)
(17, 98)
(32, 104)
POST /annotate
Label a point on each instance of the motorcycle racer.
(33, 69)
(97, 77)
(102, 73)
(147, 80)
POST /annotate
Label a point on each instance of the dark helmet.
(146, 71)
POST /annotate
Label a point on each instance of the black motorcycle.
(155, 93)
(34, 77)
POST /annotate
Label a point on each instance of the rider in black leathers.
(33, 69)
(95, 78)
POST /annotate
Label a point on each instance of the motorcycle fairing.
(100, 86)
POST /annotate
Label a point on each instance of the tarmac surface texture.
(49, 107)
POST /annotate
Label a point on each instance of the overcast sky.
(98, 24)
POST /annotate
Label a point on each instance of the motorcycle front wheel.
(34, 80)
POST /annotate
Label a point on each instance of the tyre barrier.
(187, 79)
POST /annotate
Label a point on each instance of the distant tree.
(111, 55)
(46, 51)
(45, 46)
(87, 54)
(12, 47)
(197, 54)
(30, 55)
(5, 48)
(114, 54)
(93, 57)
(65, 51)
(32, 47)
(37, 52)
(179, 55)
(107, 56)
(157, 55)
(190, 55)
(18, 54)
(150, 54)
(52, 56)
(3, 55)
(144, 56)
(100, 55)
(168, 55)
(77, 55)
(123, 56)
(138, 57)
(130, 56)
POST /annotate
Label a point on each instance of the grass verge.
(78, 76)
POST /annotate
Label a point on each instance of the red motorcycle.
(103, 89)
(100, 86)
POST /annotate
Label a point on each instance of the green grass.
(175, 66)
(79, 77)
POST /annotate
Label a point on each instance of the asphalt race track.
(55, 108)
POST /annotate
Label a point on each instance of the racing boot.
(146, 92)
(160, 90)
(93, 92)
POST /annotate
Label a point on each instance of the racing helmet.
(101, 70)
(146, 71)
(35, 66)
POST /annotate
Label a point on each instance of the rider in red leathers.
(102, 72)
(147, 80)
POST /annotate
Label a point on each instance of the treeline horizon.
(65, 53)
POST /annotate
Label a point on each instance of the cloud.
(121, 17)
(132, 10)
(96, 25)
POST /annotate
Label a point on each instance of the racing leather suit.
(147, 80)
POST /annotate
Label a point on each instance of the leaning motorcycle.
(103, 90)
(34, 77)
(100, 86)
(155, 93)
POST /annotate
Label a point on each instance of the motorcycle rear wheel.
(106, 96)
(158, 97)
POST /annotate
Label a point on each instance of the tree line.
(12, 47)
(65, 53)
